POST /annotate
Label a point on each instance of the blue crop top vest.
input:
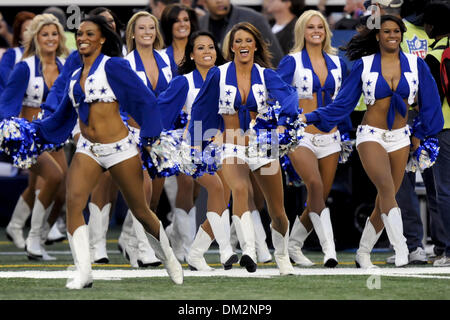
(297, 70)
(163, 63)
(220, 95)
(25, 87)
(366, 78)
(109, 79)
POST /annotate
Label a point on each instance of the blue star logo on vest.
(418, 46)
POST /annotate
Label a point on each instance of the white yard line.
(423, 272)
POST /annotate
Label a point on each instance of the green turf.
(211, 288)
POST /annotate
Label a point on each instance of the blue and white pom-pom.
(19, 139)
(263, 135)
(292, 178)
(424, 156)
(164, 155)
(196, 163)
(290, 138)
(346, 147)
(181, 121)
(265, 141)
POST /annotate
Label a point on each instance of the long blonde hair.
(299, 32)
(129, 34)
(30, 42)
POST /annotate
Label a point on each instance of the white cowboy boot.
(98, 227)
(127, 242)
(324, 231)
(146, 255)
(44, 235)
(39, 216)
(246, 236)
(281, 253)
(220, 226)
(296, 240)
(79, 245)
(55, 234)
(233, 237)
(262, 250)
(368, 240)
(394, 229)
(182, 232)
(195, 259)
(14, 230)
(165, 253)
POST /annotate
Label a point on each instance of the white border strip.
(424, 272)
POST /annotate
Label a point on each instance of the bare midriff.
(376, 115)
(105, 123)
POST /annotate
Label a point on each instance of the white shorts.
(135, 132)
(390, 140)
(108, 154)
(321, 145)
(240, 152)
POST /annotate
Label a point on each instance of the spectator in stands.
(222, 16)
(354, 10)
(437, 27)
(158, 6)
(285, 14)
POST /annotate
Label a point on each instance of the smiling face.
(182, 27)
(89, 39)
(390, 36)
(243, 47)
(145, 32)
(315, 33)
(204, 53)
(48, 38)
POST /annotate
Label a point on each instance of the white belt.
(322, 140)
(102, 150)
(386, 135)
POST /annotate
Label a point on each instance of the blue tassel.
(292, 178)
(19, 139)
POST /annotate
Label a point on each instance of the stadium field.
(22, 279)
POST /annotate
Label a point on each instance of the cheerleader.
(27, 87)
(152, 65)
(13, 55)
(177, 23)
(317, 73)
(390, 81)
(94, 93)
(233, 95)
(202, 53)
(22, 210)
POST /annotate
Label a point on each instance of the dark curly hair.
(188, 65)
(113, 44)
(365, 42)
